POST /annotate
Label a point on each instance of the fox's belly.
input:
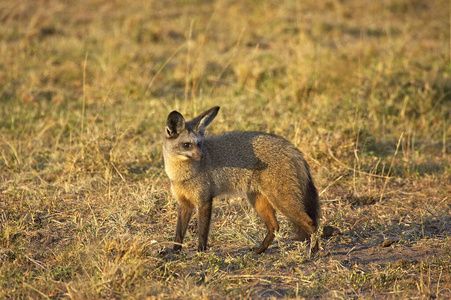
(232, 182)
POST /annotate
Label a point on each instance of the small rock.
(388, 243)
(329, 231)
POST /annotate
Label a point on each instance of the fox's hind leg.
(266, 211)
(304, 225)
(302, 236)
(302, 222)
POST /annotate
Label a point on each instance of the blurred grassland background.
(363, 88)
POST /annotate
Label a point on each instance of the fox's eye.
(186, 145)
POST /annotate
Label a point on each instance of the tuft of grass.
(363, 89)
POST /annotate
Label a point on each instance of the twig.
(352, 169)
(331, 184)
(84, 95)
(162, 67)
(391, 166)
(36, 262)
(36, 290)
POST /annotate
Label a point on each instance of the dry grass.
(362, 88)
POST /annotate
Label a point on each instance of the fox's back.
(245, 161)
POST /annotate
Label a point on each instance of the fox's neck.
(179, 169)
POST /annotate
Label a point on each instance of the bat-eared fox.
(266, 168)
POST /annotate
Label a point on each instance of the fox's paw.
(202, 248)
(257, 250)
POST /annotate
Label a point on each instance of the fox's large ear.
(201, 122)
(174, 125)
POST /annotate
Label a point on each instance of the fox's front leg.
(185, 211)
(204, 217)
